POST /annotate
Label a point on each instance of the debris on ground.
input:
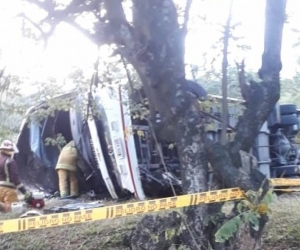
(31, 213)
(73, 207)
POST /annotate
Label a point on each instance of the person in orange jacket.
(10, 182)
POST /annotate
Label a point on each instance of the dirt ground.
(282, 232)
(283, 229)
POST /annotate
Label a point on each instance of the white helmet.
(8, 145)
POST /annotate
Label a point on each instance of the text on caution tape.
(120, 210)
(284, 182)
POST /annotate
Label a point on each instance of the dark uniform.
(9, 178)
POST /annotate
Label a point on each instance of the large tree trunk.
(194, 172)
(195, 149)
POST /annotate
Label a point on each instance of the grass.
(282, 232)
(95, 235)
(283, 229)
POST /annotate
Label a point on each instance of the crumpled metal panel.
(82, 139)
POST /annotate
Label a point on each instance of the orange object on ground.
(7, 196)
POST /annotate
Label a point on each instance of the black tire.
(288, 120)
(288, 109)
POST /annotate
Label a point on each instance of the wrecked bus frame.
(119, 157)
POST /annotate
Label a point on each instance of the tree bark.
(194, 171)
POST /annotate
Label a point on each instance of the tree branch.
(85, 32)
(242, 80)
(262, 96)
(118, 24)
(53, 18)
(228, 174)
(112, 28)
(48, 6)
(225, 78)
(271, 59)
(44, 35)
(186, 17)
(115, 12)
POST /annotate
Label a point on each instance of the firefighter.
(10, 182)
(67, 171)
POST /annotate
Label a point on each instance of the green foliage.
(290, 90)
(170, 233)
(183, 247)
(214, 218)
(249, 211)
(269, 198)
(228, 229)
(58, 141)
(253, 218)
(211, 80)
(139, 110)
(12, 106)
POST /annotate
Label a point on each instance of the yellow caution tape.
(287, 190)
(135, 208)
(284, 182)
(120, 210)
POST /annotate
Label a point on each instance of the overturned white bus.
(117, 162)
